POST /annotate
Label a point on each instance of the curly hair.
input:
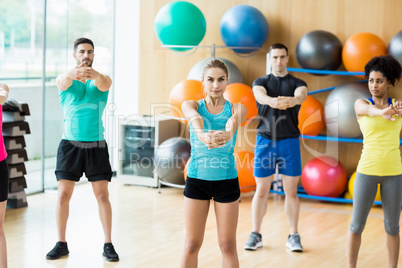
(387, 65)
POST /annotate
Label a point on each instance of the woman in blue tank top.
(212, 171)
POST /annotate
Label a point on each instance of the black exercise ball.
(395, 47)
(319, 50)
(170, 159)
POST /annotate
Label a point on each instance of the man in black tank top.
(279, 96)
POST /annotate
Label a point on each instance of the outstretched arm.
(190, 112)
(65, 80)
(262, 97)
(101, 81)
(239, 113)
(3, 93)
(362, 108)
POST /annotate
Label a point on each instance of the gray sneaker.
(293, 243)
(254, 242)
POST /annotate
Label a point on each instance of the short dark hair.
(387, 65)
(83, 40)
(278, 46)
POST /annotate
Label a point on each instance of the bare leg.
(292, 205)
(259, 203)
(353, 246)
(393, 242)
(101, 191)
(195, 217)
(3, 244)
(227, 215)
(65, 191)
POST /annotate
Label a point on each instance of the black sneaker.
(109, 252)
(58, 251)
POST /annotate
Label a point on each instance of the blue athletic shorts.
(284, 154)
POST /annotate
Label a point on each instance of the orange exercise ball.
(352, 182)
(238, 92)
(244, 165)
(311, 117)
(359, 49)
(185, 90)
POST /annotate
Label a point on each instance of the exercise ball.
(170, 159)
(395, 47)
(241, 93)
(180, 23)
(311, 117)
(359, 49)
(347, 195)
(185, 90)
(235, 75)
(351, 184)
(186, 169)
(320, 50)
(340, 116)
(244, 165)
(243, 26)
(324, 176)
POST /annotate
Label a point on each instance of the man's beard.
(88, 63)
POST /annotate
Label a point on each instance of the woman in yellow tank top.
(380, 163)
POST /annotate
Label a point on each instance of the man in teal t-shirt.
(83, 96)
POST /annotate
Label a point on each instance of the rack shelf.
(312, 71)
(302, 194)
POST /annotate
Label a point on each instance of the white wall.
(126, 61)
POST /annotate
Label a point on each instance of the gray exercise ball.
(319, 50)
(235, 75)
(340, 116)
(395, 47)
(170, 159)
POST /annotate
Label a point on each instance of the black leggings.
(3, 180)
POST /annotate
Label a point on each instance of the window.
(33, 51)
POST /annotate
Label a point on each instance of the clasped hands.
(283, 103)
(82, 73)
(391, 110)
(213, 139)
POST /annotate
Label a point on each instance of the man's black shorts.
(223, 191)
(3, 180)
(76, 157)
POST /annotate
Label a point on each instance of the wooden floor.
(148, 232)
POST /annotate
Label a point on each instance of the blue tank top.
(217, 163)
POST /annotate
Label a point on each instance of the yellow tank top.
(381, 155)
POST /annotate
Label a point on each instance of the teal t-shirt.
(83, 106)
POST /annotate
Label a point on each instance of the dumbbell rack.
(14, 129)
